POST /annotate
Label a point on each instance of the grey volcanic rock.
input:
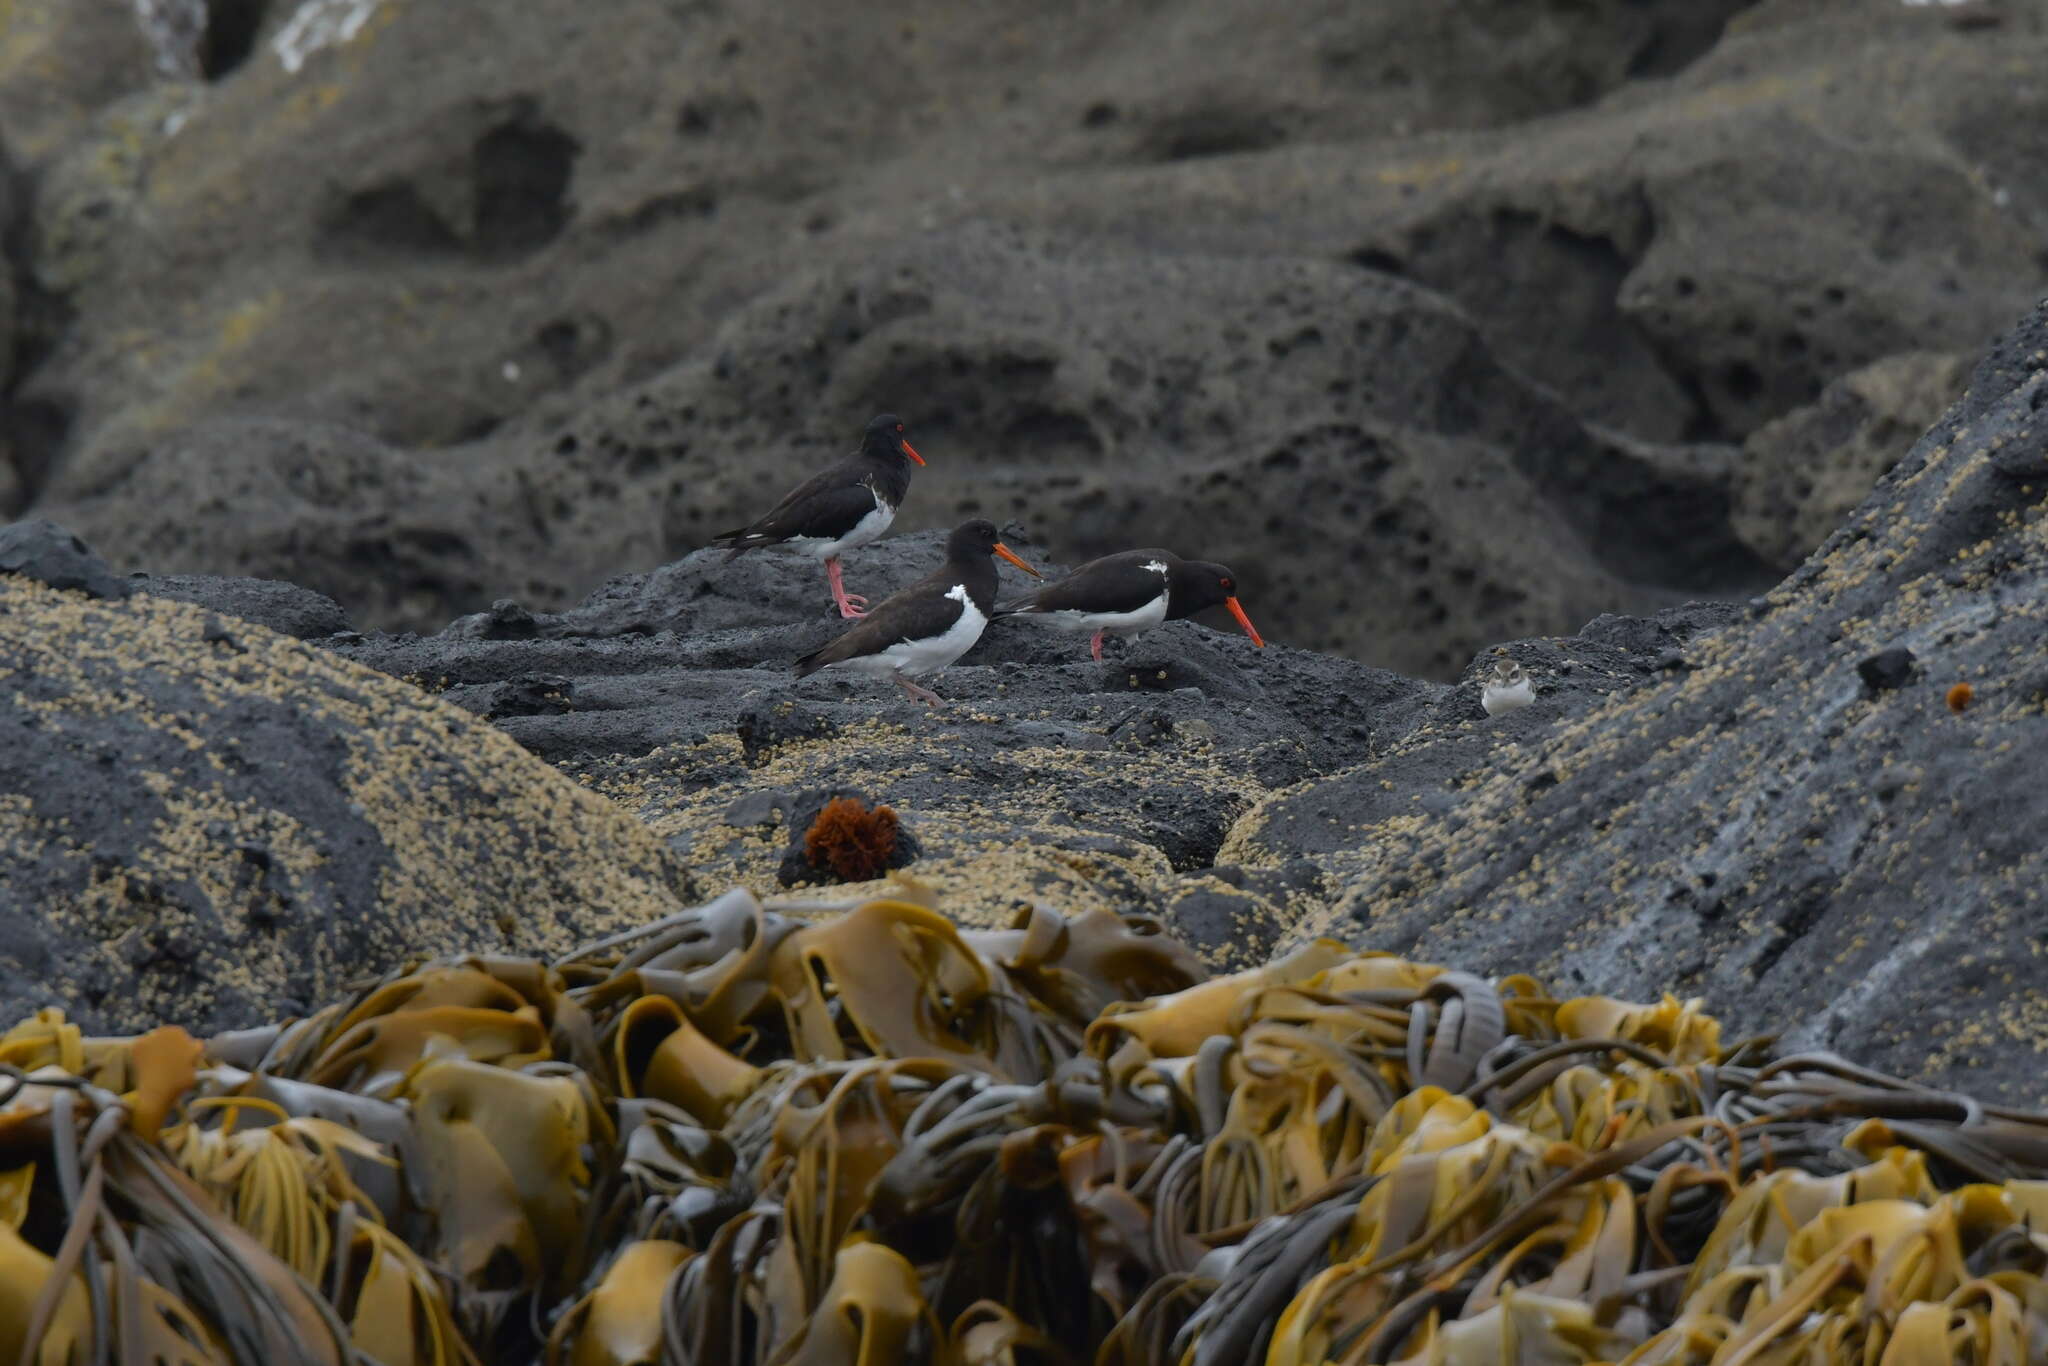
(709, 640)
(1347, 443)
(1803, 473)
(1044, 774)
(61, 64)
(596, 288)
(322, 504)
(206, 823)
(1756, 822)
(37, 548)
(285, 608)
(525, 222)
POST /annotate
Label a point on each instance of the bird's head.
(1201, 583)
(978, 537)
(885, 437)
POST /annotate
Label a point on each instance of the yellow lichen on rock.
(291, 819)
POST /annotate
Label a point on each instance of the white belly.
(1498, 700)
(1115, 623)
(868, 528)
(911, 658)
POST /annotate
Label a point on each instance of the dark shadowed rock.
(1887, 669)
(206, 823)
(39, 549)
(323, 504)
(285, 608)
(1786, 816)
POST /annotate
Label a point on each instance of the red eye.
(899, 426)
(1228, 585)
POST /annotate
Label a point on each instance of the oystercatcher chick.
(839, 508)
(1131, 592)
(929, 624)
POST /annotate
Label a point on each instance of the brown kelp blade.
(798, 1134)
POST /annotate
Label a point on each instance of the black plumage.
(928, 625)
(840, 508)
(1131, 592)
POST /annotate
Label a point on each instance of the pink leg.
(921, 694)
(850, 604)
(1095, 647)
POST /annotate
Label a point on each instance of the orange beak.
(908, 451)
(1011, 556)
(1244, 621)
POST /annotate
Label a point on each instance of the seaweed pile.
(749, 1134)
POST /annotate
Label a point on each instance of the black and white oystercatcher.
(929, 624)
(1131, 592)
(839, 508)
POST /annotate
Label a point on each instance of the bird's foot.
(852, 605)
(1095, 647)
(925, 695)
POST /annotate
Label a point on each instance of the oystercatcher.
(839, 508)
(928, 625)
(1131, 592)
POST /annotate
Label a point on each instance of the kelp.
(802, 1135)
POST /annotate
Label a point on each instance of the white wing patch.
(1156, 566)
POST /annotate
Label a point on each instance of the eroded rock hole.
(390, 218)
(522, 181)
(231, 28)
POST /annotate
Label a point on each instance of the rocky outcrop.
(1804, 473)
(1444, 333)
(207, 823)
(1811, 807)
(1822, 811)
(285, 608)
(1786, 805)
(577, 301)
(321, 504)
(1045, 775)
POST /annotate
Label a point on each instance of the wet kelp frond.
(740, 1136)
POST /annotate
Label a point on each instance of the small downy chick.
(1506, 689)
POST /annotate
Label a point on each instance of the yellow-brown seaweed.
(736, 1136)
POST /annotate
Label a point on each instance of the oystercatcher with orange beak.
(1131, 592)
(928, 625)
(838, 509)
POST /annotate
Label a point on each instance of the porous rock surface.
(1778, 804)
(206, 823)
(1444, 329)
(1824, 814)
(1043, 775)
(1807, 471)
(1783, 805)
(585, 291)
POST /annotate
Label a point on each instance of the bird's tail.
(1015, 607)
(735, 542)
